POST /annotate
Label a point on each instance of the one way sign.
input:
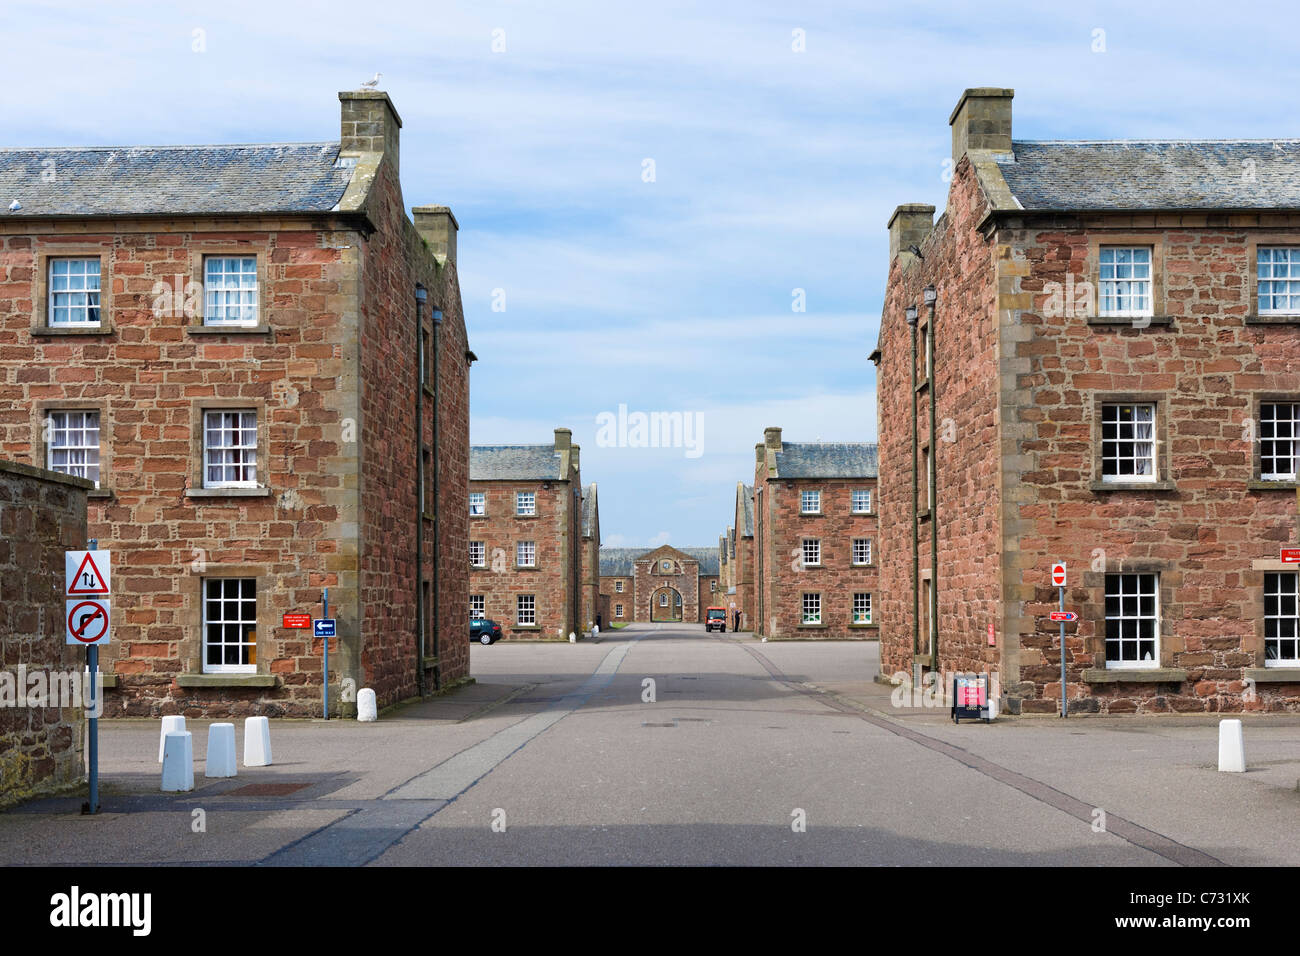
(86, 573)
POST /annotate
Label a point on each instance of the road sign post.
(1059, 578)
(86, 593)
(325, 686)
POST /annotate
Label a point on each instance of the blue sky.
(774, 170)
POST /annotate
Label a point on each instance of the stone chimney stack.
(981, 121)
(438, 227)
(563, 439)
(772, 439)
(370, 124)
(908, 226)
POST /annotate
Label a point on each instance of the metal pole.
(325, 686)
(1064, 706)
(932, 499)
(92, 731)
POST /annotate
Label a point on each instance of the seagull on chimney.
(371, 84)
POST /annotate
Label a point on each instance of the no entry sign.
(1058, 575)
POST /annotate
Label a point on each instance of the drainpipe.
(421, 295)
(930, 296)
(916, 518)
(437, 504)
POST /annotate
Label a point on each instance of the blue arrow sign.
(323, 627)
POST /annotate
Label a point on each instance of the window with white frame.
(861, 550)
(525, 503)
(1125, 274)
(477, 554)
(230, 625)
(713, 585)
(1128, 446)
(477, 607)
(73, 447)
(230, 449)
(861, 607)
(618, 610)
(1132, 621)
(1279, 441)
(526, 553)
(663, 599)
(1279, 280)
(477, 504)
(230, 290)
(525, 609)
(812, 608)
(618, 587)
(810, 502)
(74, 292)
(862, 501)
(1281, 619)
(812, 552)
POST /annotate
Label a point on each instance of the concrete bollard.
(367, 708)
(573, 638)
(178, 762)
(1232, 747)
(170, 725)
(595, 629)
(257, 742)
(221, 751)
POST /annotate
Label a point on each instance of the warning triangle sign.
(88, 580)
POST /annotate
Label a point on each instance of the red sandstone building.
(662, 585)
(526, 541)
(1105, 375)
(736, 561)
(815, 567)
(262, 365)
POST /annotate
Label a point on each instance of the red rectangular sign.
(1064, 616)
(1291, 555)
(297, 620)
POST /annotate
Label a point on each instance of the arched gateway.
(666, 605)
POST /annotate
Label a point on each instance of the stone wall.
(42, 515)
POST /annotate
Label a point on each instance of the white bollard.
(221, 751)
(367, 708)
(595, 629)
(170, 725)
(257, 742)
(1232, 747)
(573, 638)
(178, 762)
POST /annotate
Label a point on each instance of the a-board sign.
(970, 697)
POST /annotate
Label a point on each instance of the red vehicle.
(715, 617)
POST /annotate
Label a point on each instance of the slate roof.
(514, 463)
(825, 460)
(618, 562)
(1154, 175)
(172, 180)
(747, 503)
(588, 508)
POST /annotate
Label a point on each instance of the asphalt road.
(659, 744)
